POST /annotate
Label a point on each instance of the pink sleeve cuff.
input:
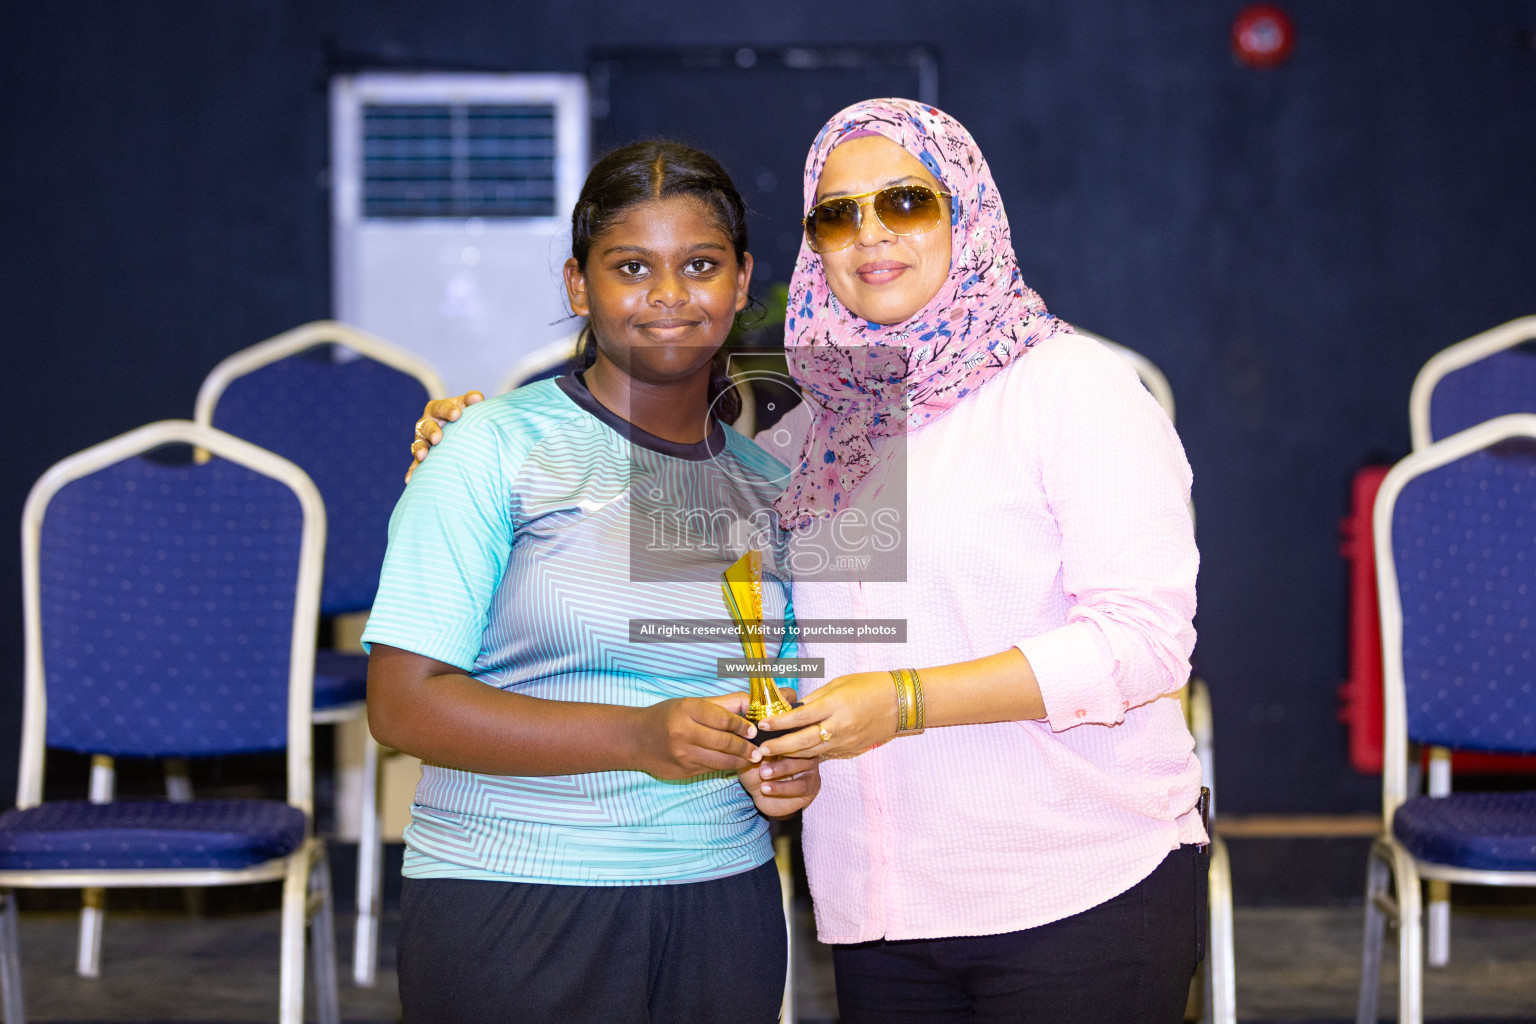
(1075, 669)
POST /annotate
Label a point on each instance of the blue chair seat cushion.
(148, 834)
(1484, 831)
(341, 677)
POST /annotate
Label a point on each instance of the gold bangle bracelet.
(917, 702)
(909, 700)
(901, 701)
(911, 708)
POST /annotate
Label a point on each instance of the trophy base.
(764, 735)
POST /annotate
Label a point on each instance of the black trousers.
(476, 952)
(1126, 961)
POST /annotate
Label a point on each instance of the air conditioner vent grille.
(458, 160)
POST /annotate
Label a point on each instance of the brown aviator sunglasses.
(833, 224)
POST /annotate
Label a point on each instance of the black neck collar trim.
(575, 387)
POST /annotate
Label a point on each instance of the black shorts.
(474, 952)
(1129, 959)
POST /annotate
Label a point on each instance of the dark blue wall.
(1289, 246)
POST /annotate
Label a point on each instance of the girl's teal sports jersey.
(520, 552)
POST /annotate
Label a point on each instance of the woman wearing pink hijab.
(1026, 848)
(1007, 827)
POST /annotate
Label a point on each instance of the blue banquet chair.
(1218, 975)
(335, 400)
(1487, 375)
(1455, 539)
(170, 612)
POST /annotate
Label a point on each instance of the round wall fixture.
(1262, 36)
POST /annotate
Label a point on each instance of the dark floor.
(1297, 928)
(1293, 964)
(163, 967)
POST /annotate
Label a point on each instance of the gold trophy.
(743, 587)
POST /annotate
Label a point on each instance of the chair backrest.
(1151, 377)
(1455, 539)
(170, 608)
(550, 360)
(338, 402)
(1490, 374)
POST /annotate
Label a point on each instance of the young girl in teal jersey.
(584, 844)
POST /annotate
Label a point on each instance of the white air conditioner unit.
(451, 206)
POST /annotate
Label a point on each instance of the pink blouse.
(1049, 512)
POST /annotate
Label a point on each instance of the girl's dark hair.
(645, 171)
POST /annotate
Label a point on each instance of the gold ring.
(826, 737)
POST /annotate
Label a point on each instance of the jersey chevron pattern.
(520, 552)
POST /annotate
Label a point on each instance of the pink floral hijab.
(865, 381)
